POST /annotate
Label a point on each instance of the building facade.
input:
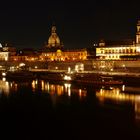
(54, 50)
(122, 50)
(54, 42)
(6, 52)
(67, 55)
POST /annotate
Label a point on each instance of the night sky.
(28, 23)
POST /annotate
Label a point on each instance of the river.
(40, 109)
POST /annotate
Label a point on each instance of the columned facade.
(125, 50)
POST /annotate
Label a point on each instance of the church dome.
(53, 39)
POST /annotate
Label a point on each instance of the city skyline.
(78, 24)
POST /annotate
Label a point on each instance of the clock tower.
(138, 33)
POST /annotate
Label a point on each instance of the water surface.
(41, 109)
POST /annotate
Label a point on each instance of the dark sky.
(28, 23)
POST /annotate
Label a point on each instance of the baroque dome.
(53, 39)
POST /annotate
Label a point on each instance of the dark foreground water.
(44, 110)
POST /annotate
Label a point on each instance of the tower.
(54, 41)
(138, 33)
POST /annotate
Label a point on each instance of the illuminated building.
(138, 33)
(54, 41)
(124, 50)
(6, 51)
(54, 51)
(4, 56)
(26, 54)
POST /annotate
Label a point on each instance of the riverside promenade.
(115, 73)
(103, 73)
(128, 78)
(107, 73)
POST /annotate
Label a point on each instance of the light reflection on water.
(58, 89)
(4, 87)
(117, 95)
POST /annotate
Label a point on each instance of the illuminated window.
(127, 50)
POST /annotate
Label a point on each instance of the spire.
(53, 29)
(138, 33)
(138, 22)
(54, 41)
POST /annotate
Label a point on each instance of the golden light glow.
(69, 69)
(68, 88)
(36, 82)
(21, 64)
(67, 78)
(3, 74)
(64, 56)
(3, 79)
(80, 93)
(53, 39)
(52, 88)
(123, 88)
(116, 95)
(42, 85)
(60, 90)
(4, 86)
(114, 53)
(6, 58)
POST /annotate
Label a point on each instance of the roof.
(74, 50)
(118, 43)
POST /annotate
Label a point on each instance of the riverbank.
(127, 77)
(56, 75)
